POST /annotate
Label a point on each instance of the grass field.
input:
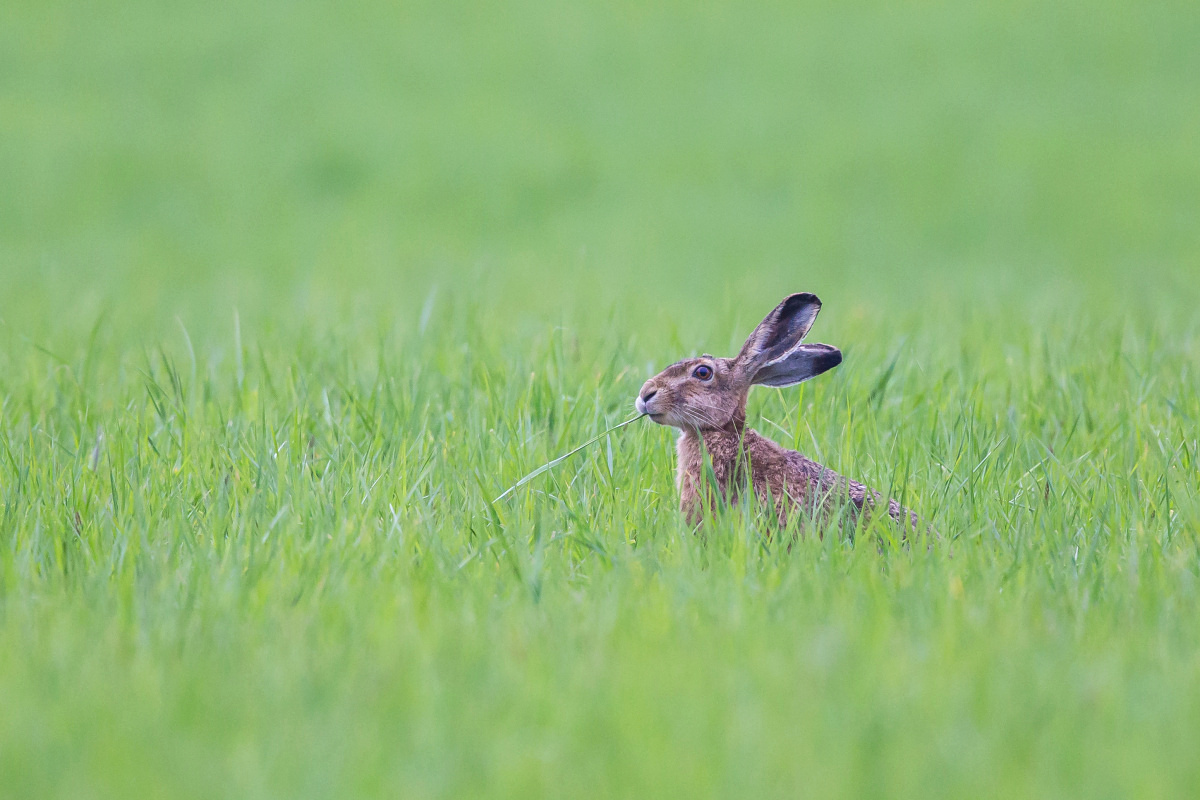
(289, 291)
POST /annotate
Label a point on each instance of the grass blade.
(551, 464)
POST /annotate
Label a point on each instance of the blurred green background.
(289, 290)
(293, 155)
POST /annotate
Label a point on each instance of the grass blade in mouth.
(550, 464)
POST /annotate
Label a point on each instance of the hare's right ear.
(802, 362)
(779, 332)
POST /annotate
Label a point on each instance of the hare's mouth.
(649, 405)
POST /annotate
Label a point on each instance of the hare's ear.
(799, 364)
(779, 332)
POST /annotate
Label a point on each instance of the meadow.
(289, 292)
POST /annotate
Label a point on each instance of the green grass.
(288, 291)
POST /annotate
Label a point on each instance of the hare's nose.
(646, 395)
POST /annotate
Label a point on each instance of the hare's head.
(707, 392)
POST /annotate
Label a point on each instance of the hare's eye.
(703, 372)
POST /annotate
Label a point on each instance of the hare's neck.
(723, 444)
(722, 447)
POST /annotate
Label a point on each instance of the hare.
(705, 398)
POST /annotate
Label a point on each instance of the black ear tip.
(794, 302)
(830, 359)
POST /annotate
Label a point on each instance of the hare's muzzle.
(644, 400)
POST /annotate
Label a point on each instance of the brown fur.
(710, 410)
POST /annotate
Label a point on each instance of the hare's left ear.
(780, 331)
(773, 355)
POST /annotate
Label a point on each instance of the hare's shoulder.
(802, 471)
(761, 449)
(789, 468)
